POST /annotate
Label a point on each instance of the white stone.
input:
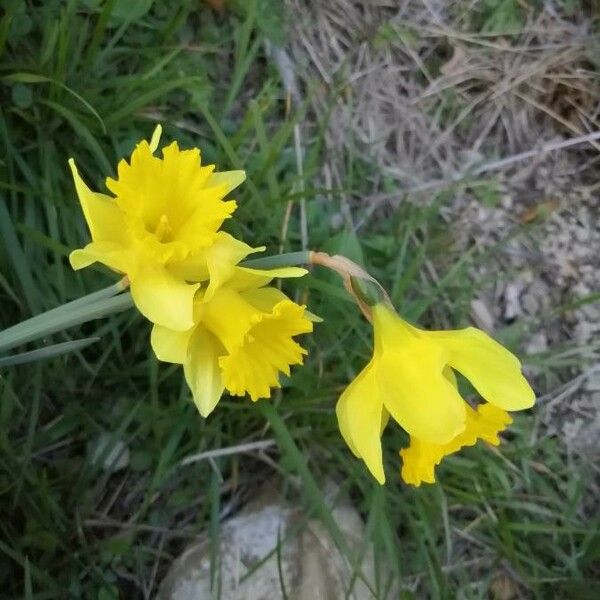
(308, 561)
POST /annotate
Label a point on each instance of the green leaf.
(123, 10)
(347, 244)
(47, 352)
(24, 77)
(18, 258)
(70, 314)
(22, 95)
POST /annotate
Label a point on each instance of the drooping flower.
(410, 378)
(164, 216)
(241, 340)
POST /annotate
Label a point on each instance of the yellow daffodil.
(159, 226)
(410, 378)
(241, 340)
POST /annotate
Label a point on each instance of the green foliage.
(498, 16)
(88, 79)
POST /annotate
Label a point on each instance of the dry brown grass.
(428, 94)
(424, 96)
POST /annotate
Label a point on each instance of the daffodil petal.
(450, 376)
(192, 268)
(344, 415)
(113, 255)
(418, 396)
(155, 139)
(222, 258)
(202, 371)
(490, 367)
(247, 278)
(102, 214)
(216, 262)
(227, 180)
(360, 417)
(385, 418)
(164, 299)
(265, 298)
(169, 345)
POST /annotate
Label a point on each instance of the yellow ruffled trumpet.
(163, 217)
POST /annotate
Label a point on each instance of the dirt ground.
(431, 104)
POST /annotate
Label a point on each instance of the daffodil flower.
(162, 222)
(410, 378)
(242, 338)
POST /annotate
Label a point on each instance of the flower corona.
(163, 214)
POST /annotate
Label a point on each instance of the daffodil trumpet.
(159, 227)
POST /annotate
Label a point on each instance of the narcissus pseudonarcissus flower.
(411, 378)
(161, 222)
(241, 340)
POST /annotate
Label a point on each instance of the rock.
(592, 383)
(538, 343)
(584, 332)
(583, 435)
(252, 567)
(482, 315)
(512, 304)
(535, 298)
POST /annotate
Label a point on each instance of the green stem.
(288, 446)
(93, 306)
(278, 260)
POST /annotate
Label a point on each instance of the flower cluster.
(232, 331)
(220, 320)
